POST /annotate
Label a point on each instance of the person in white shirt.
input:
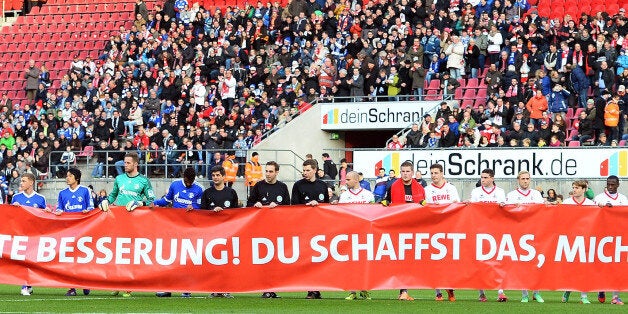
(610, 198)
(488, 192)
(441, 192)
(578, 188)
(355, 194)
(523, 194)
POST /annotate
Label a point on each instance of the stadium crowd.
(184, 77)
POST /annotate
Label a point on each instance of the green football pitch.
(53, 300)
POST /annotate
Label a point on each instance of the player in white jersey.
(355, 194)
(441, 192)
(578, 188)
(488, 192)
(610, 198)
(523, 194)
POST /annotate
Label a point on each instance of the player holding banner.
(488, 192)
(310, 191)
(182, 193)
(578, 188)
(356, 194)
(74, 199)
(405, 190)
(130, 189)
(28, 197)
(271, 193)
(525, 195)
(611, 197)
(441, 192)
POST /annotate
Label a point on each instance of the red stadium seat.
(467, 102)
(458, 93)
(472, 83)
(434, 85)
(462, 82)
(469, 94)
(569, 114)
(574, 143)
(432, 95)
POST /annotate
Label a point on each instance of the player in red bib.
(405, 190)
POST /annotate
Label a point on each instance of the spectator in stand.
(448, 84)
(447, 138)
(32, 80)
(536, 106)
(584, 127)
(395, 143)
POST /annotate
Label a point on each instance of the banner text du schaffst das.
(320, 248)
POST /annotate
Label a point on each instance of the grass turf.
(53, 300)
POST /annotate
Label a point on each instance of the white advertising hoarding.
(541, 163)
(374, 115)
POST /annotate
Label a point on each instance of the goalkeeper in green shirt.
(130, 189)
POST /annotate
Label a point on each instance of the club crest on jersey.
(279, 198)
(227, 203)
(321, 197)
(136, 186)
(191, 195)
(80, 199)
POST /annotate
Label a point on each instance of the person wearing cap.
(76, 198)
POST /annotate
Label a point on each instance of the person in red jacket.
(536, 106)
(405, 190)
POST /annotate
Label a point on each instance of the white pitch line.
(27, 299)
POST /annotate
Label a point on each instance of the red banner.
(332, 247)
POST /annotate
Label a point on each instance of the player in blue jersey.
(183, 193)
(28, 197)
(74, 199)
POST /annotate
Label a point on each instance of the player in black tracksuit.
(219, 196)
(269, 193)
(310, 191)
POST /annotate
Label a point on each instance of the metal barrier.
(166, 167)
